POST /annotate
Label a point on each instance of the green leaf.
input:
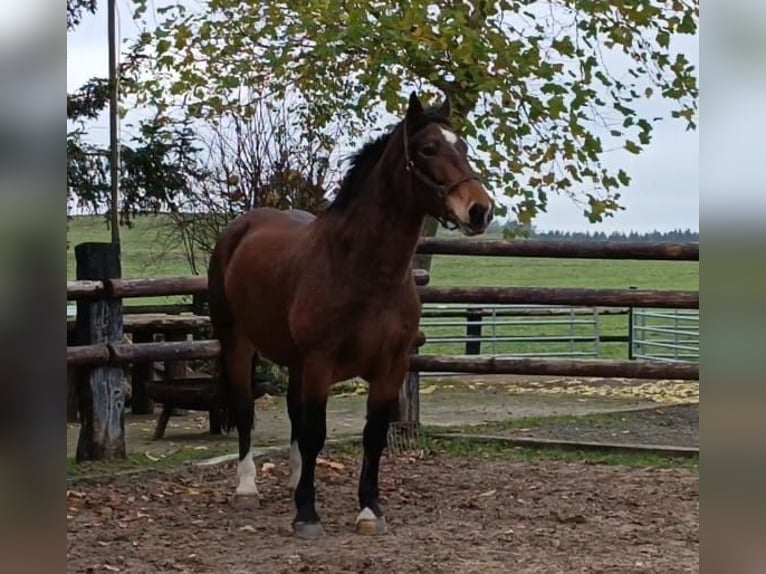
(564, 46)
(623, 177)
(556, 107)
(688, 25)
(163, 46)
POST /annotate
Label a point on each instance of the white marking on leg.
(448, 135)
(296, 463)
(246, 475)
(366, 514)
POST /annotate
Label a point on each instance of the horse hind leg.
(238, 361)
(294, 400)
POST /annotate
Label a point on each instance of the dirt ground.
(674, 425)
(445, 514)
(459, 401)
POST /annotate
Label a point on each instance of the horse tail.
(221, 315)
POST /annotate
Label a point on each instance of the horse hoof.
(367, 527)
(308, 530)
(248, 501)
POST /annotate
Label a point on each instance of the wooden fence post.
(473, 319)
(72, 408)
(142, 376)
(101, 390)
(408, 419)
(215, 415)
(173, 370)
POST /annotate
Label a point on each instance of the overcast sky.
(664, 192)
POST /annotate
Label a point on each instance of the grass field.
(147, 254)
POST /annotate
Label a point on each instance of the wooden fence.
(98, 353)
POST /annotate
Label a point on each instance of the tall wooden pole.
(114, 144)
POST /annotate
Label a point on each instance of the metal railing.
(539, 331)
(516, 331)
(670, 335)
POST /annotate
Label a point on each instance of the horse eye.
(428, 150)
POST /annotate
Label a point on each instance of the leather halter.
(442, 190)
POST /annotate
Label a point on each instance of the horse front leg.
(315, 388)
(382, 403)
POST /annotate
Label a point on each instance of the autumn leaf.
(337, 466)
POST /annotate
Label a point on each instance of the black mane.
(364, 160)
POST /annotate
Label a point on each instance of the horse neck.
(381, 229)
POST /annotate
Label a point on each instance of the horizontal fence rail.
(88, 355)
(556, 367)
(160, 287)
(123, 288)
(126, 353)
(159, 323)
(436, 310)
(561, 296)
(658, 251)
(84, 289)
(123, 353)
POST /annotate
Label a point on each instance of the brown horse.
(333, 297)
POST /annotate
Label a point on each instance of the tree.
(157, 166)
(85, 104)
(75, 11)
(529, 80)
(201, 171)
(262, 160)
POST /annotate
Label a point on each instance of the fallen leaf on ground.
(330, 464)
(488, 493)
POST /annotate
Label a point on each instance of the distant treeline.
(674, 235)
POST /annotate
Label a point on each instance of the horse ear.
(415, 107)
(446, 108)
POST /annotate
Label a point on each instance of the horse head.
(448, 187)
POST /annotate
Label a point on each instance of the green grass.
(147, 254)
(137, 462)
(471, 449)
(535, 422)
(463, 448)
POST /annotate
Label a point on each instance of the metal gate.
(664, 334)
(511, 330)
